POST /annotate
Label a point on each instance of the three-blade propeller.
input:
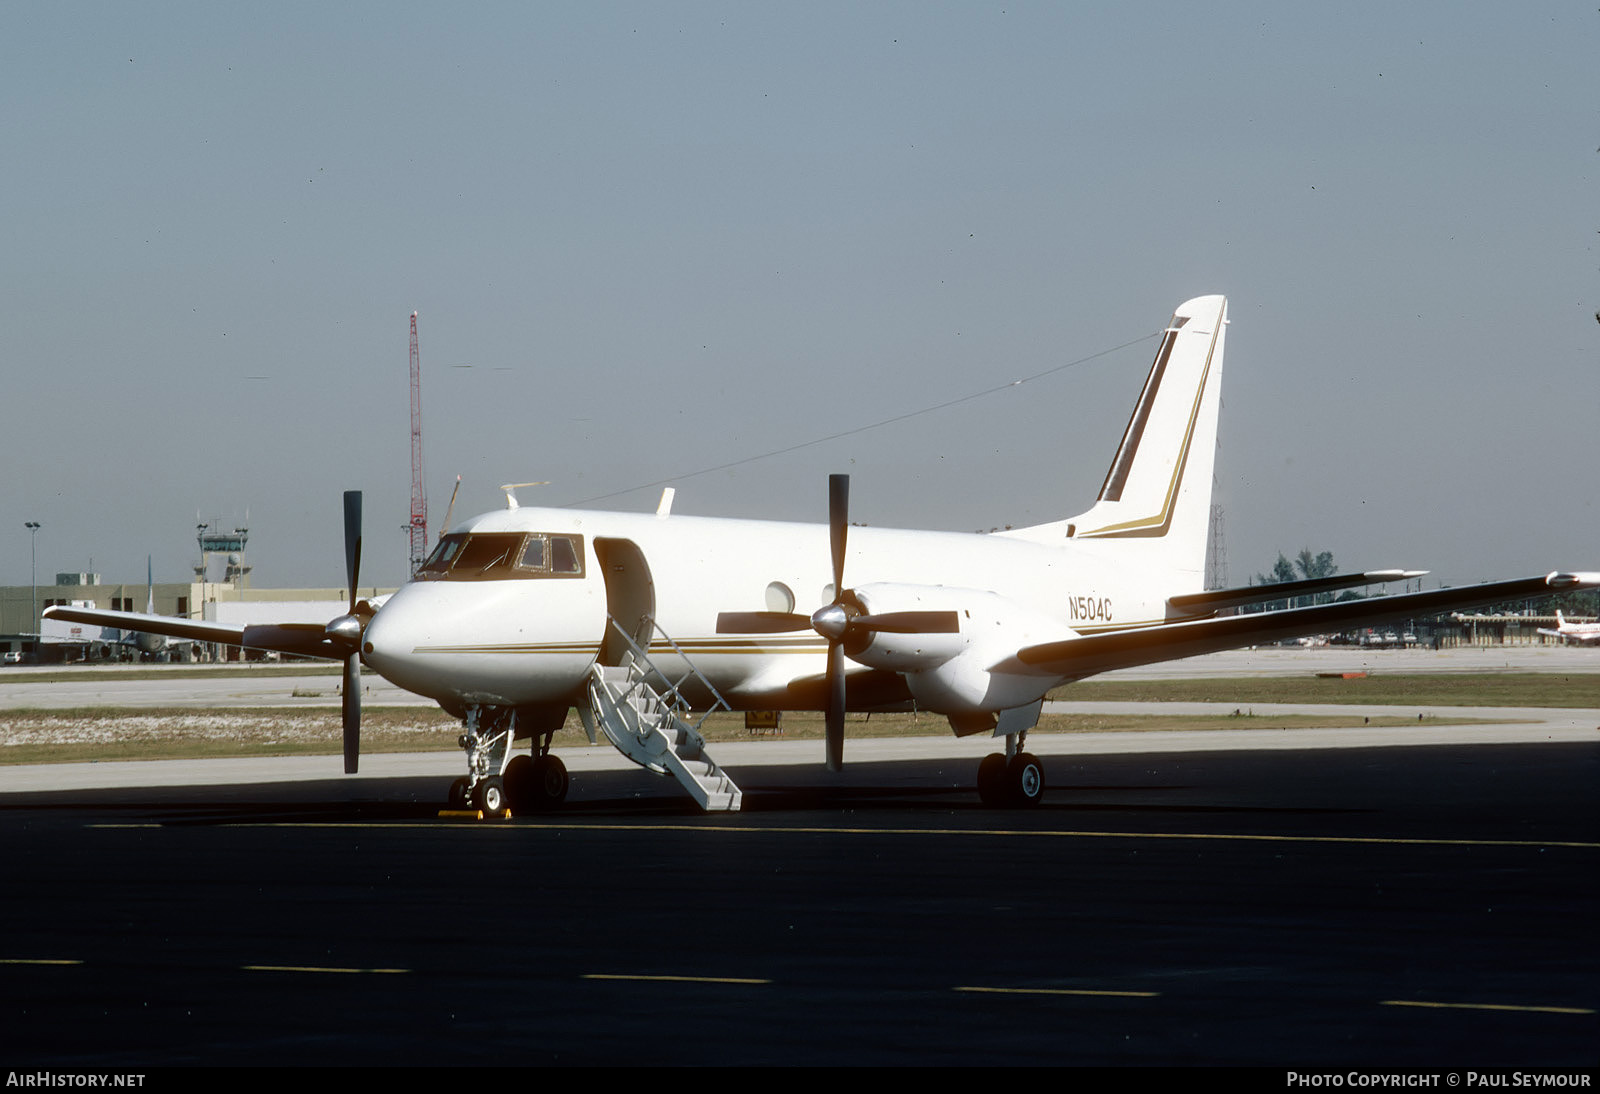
(841, 622)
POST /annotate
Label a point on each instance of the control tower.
(229, 544)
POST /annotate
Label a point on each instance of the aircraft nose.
(383, 644)
(389, 647)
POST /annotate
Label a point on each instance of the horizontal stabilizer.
(1085, 656)
(1217, 599)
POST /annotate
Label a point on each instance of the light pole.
(33, 575)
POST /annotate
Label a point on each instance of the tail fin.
(1158, 490)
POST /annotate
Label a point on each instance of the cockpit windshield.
(499, 556)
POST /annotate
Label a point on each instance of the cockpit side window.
(564, 558)
(443, 554)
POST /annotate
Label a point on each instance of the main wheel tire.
(549, 783)
(460, 794)
(491, 795)
(1025, 780)
(520, 778)
(992, 780)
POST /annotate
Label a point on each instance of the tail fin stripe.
(1158, 523)
(1117, 476)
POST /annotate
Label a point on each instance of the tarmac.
(1406, 897)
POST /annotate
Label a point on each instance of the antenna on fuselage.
(511, 488)
(664, 509)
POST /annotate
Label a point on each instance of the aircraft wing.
(1079, 657)
(303, 639)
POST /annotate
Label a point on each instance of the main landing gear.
(496, 780)
(1015, 779)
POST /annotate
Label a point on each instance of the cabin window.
(498, 556)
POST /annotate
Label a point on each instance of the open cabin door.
(630, 597)
(641, 712)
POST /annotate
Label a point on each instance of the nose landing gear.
(498, 782)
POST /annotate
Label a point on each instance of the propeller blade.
(307, 639)
(832, 619)
(761, 622)
(908, 623)
(350, 712)
(352, 542)
(834, 721)
(838, 527)
(350, 707)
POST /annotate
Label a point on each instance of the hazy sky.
(646, 239)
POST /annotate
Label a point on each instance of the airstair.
(646, 716)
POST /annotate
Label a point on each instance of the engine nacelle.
(922, 649)
(949, 671)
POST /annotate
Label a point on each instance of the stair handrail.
(679, 701)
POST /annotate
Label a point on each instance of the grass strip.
(1507, 689)
(107, 734)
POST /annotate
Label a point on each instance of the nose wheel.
(490, 795)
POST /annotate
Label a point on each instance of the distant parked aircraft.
(1585, 634)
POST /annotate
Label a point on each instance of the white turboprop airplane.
(1584, 634)
(634, 619)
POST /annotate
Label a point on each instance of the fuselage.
(495, 633)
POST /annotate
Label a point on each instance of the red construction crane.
(419, 501)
